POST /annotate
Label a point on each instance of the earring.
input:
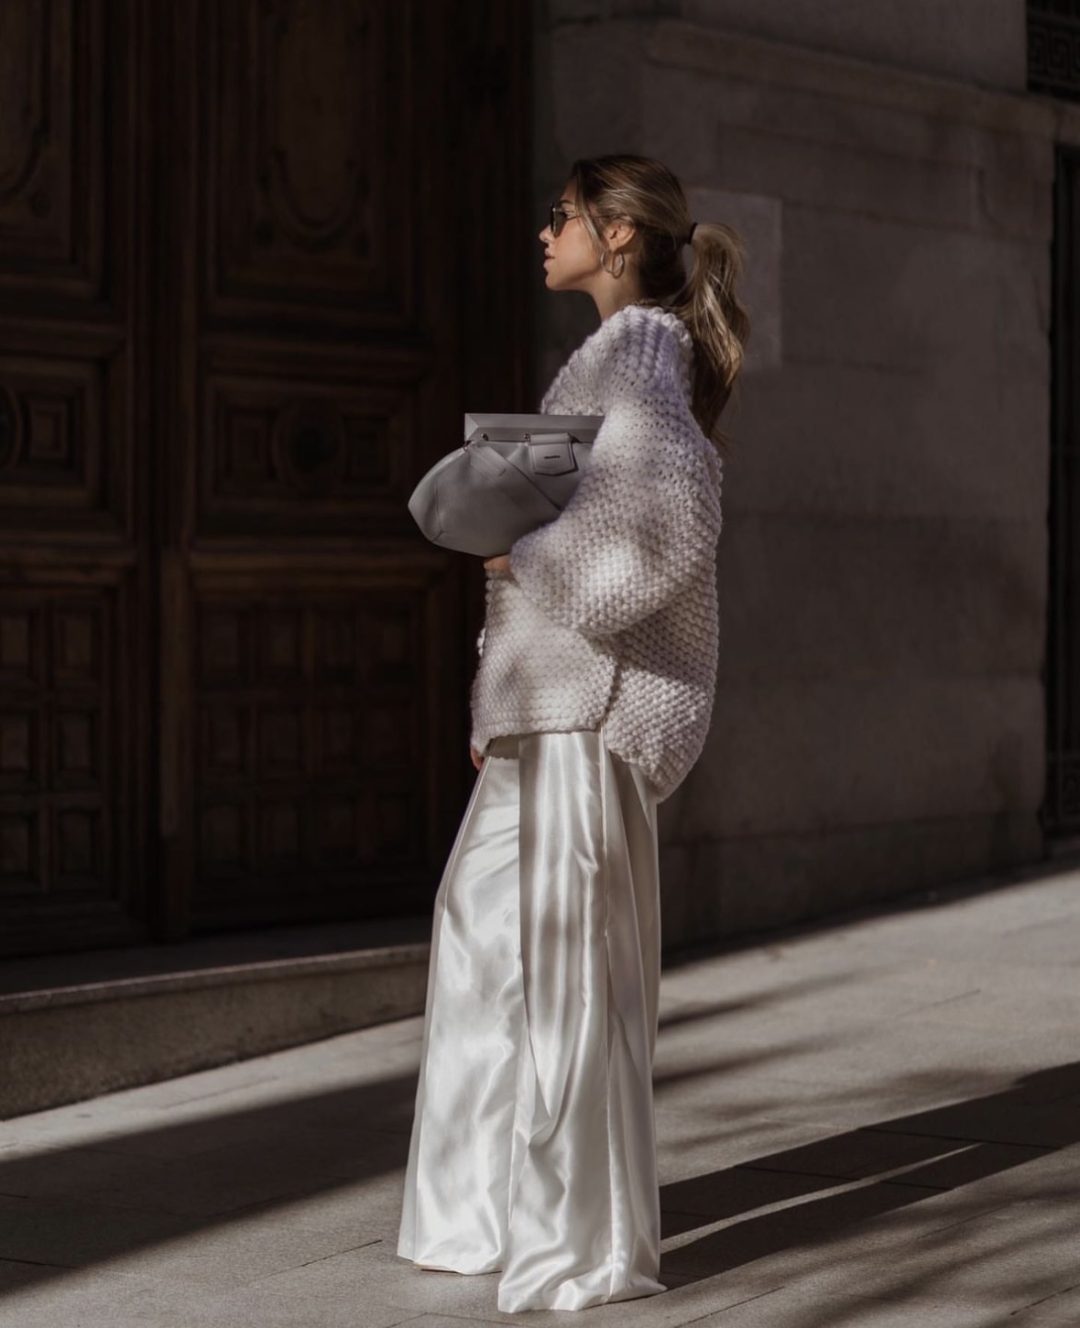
(610, 270)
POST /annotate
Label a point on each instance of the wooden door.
(257, 260)
(76, 578)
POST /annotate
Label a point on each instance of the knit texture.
(609, 613)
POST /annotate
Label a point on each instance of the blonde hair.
(645, 192)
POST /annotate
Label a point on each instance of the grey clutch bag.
(514, 473)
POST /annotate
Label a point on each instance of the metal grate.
(1053, 47)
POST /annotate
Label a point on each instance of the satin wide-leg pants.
(533, 1150)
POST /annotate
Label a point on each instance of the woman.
(533, 1142)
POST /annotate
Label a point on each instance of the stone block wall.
(883, 569)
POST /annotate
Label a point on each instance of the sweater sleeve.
(645, 516)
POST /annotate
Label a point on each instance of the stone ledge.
(193, 979)
(75, 1026)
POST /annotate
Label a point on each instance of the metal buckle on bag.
(549, 453)
(552, 454)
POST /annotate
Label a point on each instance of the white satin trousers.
(533, 1150)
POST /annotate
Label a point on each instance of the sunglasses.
(559, 218)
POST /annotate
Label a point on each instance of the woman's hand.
(500, 563)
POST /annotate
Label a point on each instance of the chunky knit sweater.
(609, 613)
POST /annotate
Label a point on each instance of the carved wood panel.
(312, 157)
(311, 747)
(60, 786)
(304, 443)
(76, 611)
(54, 158)
(64, 441)
(319, 650)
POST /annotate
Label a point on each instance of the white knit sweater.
(609, 612)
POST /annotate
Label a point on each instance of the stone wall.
(883, 568)
(977, 41)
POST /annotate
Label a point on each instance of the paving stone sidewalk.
(870, 1124)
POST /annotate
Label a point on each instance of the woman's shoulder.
(636, 325)
(648, 319)
(638, 344)
(642, 347)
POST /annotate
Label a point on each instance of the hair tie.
(690, 236)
